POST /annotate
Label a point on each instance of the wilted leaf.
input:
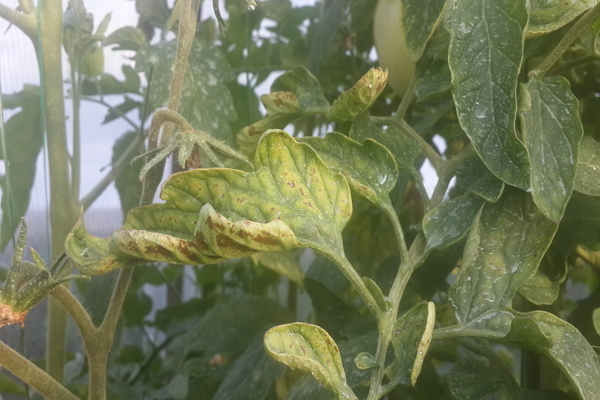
(587, 177)
(504, 248)
(205, 101)
(565, 346)
(411, 340)
(360, 97)
(418, 20)
(368, 166)
(473, 379)
(305, 87)
(309, 348)
(551, 132)
(450, 221)
(548, 15)
(486, 50)
(24, 139)
(292, 200)
(405, 149)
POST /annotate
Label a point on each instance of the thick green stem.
(34, 376)
(63, 212)
(23, 21)
(565, 42)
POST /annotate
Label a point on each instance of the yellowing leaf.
(360, 97)
(309, 348)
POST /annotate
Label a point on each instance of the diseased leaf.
(473, 379)
(539, 289)
(450, 221)
(283, 262)
(485, 55)
(291, 200)
(504, 248)
(368, 166)
(587, 177)
(24, 137)
(206, 103)
(551, 130)
(411, 340)
(474, 177)
(305, 87)
(561, 343)
(549, 15)
(405, 149)
(360, 97)
(418, 20)
(309, 348)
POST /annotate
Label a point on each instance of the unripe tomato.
(391, 46)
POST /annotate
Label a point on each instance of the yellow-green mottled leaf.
(309, 348)
(369, 167)
(504, 248)
(587, 177)
(305, 87)
(548, 15)
(485, 55)
(551, 130)
(411, 340)
(360, 97)
(291, 200)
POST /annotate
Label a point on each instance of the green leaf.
(108, 84)
(587, 177)
(486, 50)
(7, 385)
(405, 149)
(206, 103)
(549, 15)
(308, 388)
(450, 221)
(368, 166)
(596, 320)
(411, 340)
(375, 290)
(119, 110)
(176, 389)
(504, 248)
(551, 131)
(305, 87)
(474, 177)
(283, 262)
(539, 289)
(24, 139)
(126, 38)
(581, 223)
(432, 72)
(418, 20)
(309, 348)
(360, 97)
(251, 375)
(127, 183)
(561, 343)
(473, 379)
(292, 200)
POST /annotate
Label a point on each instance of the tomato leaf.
(450, 221)
(360, 97)
(474, 177)
(551, 131)
(539, 289)
(473, 379)
(432, 77)
(549, 15)
(305, 87)
(504, 248)
(418, 20)
(485, 55)
(587, 177)
(411, 340)
(309, 348)
(291, 200)
(368, 166)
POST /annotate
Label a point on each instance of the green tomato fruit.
(391, 45)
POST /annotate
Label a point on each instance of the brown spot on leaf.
(303, 349)
(8, 316)
(266, 239)
(226, 243)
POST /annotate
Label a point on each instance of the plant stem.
(565, 42)
(34, 376)
(406, 100)
(25, 22)
(112, 109)
(63, 212)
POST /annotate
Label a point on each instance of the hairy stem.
(24, 21)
